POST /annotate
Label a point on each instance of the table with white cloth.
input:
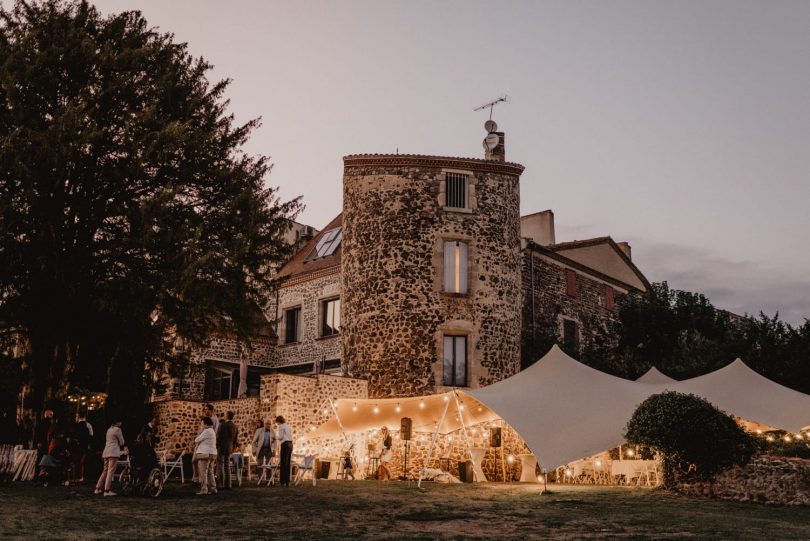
(630, 468)
(477, 454)
(528, 468)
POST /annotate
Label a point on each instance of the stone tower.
(430, 272)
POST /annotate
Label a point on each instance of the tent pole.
(432, 445)
(464, 430)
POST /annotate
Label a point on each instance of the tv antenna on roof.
(503, 98)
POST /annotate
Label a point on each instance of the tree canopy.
(129, 213)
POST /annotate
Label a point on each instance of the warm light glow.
(461, 407)
(598, 463)
(567, 472)
(759, 431)
(398, 409)
(799, 437)
(510, 458)
(449, 438)
(770, 438)
(325, 412)
(354, 408)
(630, 452)
(788, 438)
(376, 409)
(480, 409)
(445, 398)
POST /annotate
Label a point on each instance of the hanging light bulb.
(325, 412)
(354, 408)
(461, 407)
(510, 458)
(446, 398)
(630, 452)
(398, 409)
(421, 404)
(376, 409)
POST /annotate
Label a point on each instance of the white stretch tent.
(565, 410)
(653, 375)
(739, 391)
(360, 415)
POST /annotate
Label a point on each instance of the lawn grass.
(371, 510)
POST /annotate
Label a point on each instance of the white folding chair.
(237, 467)
(270, 471)
(308, 465)
(120, 467)
(170, 465)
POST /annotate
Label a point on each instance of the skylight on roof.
(327, 244)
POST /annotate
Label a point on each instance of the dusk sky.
(681, 127)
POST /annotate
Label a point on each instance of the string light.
(461, 407)
(759, 431)
(376, 409)
(398, 409)
(630, 452)
(421, 404)
(354, 408)
(510, 458)
(770, 438)
(788, 438)
(598, 463)
(446, 398)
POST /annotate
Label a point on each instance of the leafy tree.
(129, 213)
(689, 432)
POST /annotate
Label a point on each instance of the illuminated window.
(454, 373)
(455, 266)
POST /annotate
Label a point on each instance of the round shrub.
(695, 438)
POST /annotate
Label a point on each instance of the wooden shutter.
(571, 283)
(610, 301)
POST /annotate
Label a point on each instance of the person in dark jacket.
(227, 441)
(80, 438)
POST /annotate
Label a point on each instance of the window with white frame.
(455, 189)
(327, 244)
(330, 317)
(454, 370)
(455, 266)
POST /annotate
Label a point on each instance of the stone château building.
(429, 278)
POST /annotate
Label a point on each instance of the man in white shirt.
(208, 411)
(285, 449)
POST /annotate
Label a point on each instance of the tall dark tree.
(129, 212)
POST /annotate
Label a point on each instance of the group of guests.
(62, 447)
(217, 444)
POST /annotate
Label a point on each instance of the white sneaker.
(110, 493)
(98, 491)
(201, 493)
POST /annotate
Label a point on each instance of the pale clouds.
(741, 286)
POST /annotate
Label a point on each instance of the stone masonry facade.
(307, 293)
(395, 311)
(548, 302)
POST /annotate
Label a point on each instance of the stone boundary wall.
(766, 479)
(179, 421)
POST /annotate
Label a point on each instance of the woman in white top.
(112, 450)
(205, 454)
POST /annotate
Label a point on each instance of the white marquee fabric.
(653, 375)
(566, 411)
(425, 412)
(744, 393)
(563, 409)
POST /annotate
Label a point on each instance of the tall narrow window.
(610, 301)
(455, 266)
(571, 283)
(292, 319)
(571, 336)
(456, 190)
(454, 373)
(330, 317)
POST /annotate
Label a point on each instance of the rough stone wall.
(221, 347)
(546, 301)
(179, 421)
(766, 479)
(308, 294)
(297, 398)
(394, 310)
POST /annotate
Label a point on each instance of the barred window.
(456, 190)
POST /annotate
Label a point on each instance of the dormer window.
(327, 244)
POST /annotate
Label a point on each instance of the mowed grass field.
(396, 510)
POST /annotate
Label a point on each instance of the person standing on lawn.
(285, 450)
(263, 441)
(114, 442)
(208, 411)
(81, 436)
(205, 456)
(227, 441)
